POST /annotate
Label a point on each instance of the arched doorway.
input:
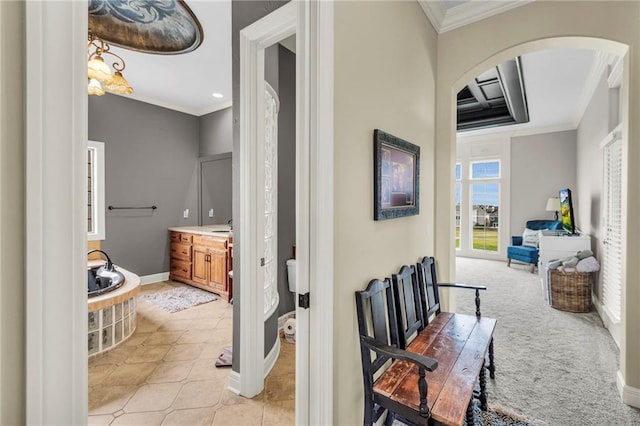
(465, 70)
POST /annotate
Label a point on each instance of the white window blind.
(612, 259)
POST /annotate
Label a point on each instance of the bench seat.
(459, 343)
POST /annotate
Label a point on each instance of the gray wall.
(216, 132)
(243, 13)
(150, 159)
(596, 123)
(540, 166)
(12, 214)
(286, 174)
(593, 127)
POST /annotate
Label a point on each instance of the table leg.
(483, 390)
(470, 421)
(492, 366)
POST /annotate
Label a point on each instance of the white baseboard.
(234, 382)
(630, 395)
(272, 357)
(284, 317)
(269, 362)
(154, 278)
(609, 324)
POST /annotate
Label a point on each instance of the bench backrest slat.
(376, 318)
(428, 287)
(408, 305)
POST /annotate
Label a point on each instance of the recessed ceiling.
(558, 84)
(496, 97)
(186, 82)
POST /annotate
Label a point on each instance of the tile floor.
(165, 373)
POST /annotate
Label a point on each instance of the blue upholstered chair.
(525, 253)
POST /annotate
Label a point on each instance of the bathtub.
(112, 316)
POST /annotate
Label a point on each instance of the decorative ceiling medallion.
(166, 27)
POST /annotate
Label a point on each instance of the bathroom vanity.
(201, 256)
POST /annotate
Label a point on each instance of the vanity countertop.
(215, 230)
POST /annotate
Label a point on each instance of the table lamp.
(553, 205)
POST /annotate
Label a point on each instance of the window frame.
(97, 191)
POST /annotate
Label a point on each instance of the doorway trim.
(629, 395)
(312, 22)
(56, 197)
(254, 39)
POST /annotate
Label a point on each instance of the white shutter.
(612, 259)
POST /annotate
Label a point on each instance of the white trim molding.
(97, 191)
(315, 240)
(154, 278)
(630, 395)
(272, 28)
(446, 19)
(269, 362)
(272, 357)
(234, 382)
(56, 220)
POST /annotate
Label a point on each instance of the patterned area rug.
(499, 416)
(179, 298)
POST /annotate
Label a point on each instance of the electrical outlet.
(185, 213)
(210, 212)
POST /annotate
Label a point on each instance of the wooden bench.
(427, 362)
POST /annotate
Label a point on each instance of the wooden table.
(459, 343)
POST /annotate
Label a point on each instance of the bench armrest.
(477, 288)
(467, 286)
(516, 240)
(425, 362)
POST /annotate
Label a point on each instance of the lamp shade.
(553, 205)
(119, 85)
(95, 88)
(96, 68)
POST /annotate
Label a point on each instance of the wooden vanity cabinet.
(208, 262)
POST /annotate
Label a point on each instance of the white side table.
(553, 246)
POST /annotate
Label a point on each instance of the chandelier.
(101, 78)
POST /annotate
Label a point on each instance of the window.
(485, 195)
(482, 175)
(95, 191)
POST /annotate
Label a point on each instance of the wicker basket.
(571, 291)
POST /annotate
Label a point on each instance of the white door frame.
(56, 196)
(56, 142)
(313, 24)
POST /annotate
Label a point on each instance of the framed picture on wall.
(396, 186)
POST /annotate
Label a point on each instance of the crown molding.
(191, 111)
(435, 12)
(444, 19)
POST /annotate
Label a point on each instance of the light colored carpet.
(553, 366)
(179, 298)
